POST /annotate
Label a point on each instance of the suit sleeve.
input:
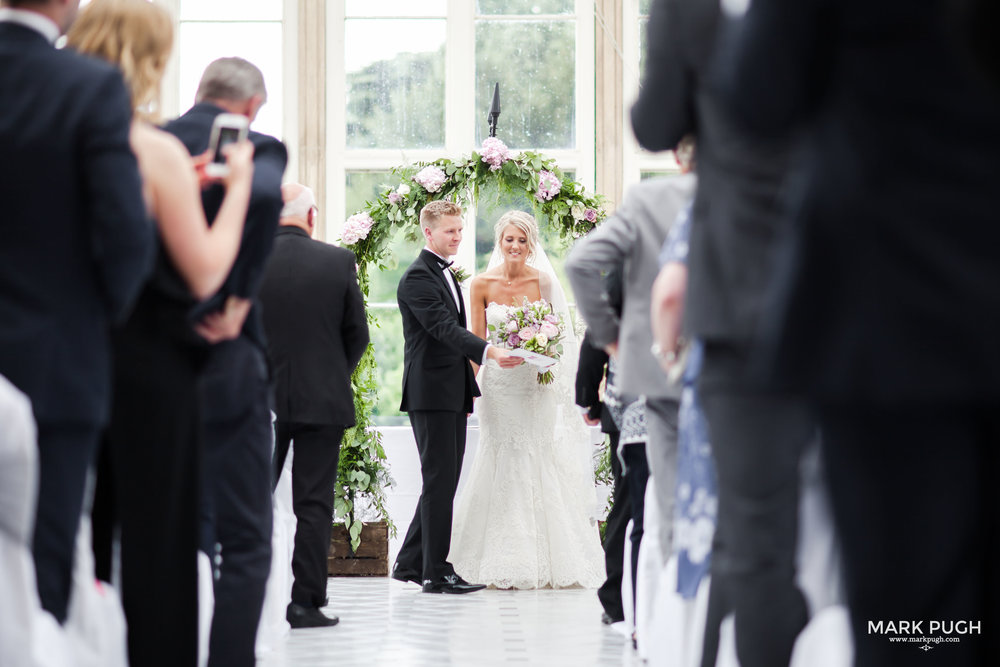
(122, 235)
(418, 292)
(589, 373)
(664, 112)
(602, 251)
(773, 63)
(354, 330)
(270, 158)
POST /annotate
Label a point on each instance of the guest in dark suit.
(589, 375)
(235, 385)
(889, 313)
(757, 436)
(75, 247)
(314, 317)
(438, 391)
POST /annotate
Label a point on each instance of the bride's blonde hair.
(524, 222)
(134, 35)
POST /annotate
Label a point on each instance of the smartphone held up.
(227, 129)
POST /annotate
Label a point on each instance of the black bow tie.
(445, 265)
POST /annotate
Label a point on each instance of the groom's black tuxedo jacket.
(75, 241)
(436, 370)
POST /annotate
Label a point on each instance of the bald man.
(314, 318)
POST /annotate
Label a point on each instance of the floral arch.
(564, 203)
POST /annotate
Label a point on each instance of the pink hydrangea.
(495, 153)
(356, 228)
(431, 178)
(548, 186)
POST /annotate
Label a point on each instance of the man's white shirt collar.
(37, 22)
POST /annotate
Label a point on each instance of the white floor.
(385, 622)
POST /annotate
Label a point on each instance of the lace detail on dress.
(524, 517)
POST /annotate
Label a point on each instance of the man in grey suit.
(632, 239)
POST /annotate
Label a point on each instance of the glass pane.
(396, 8)
(535, 64)
(533, 7)
(644, 6)
(260, 43)
(644, 175)
(395, 82)
(229, 10)
(364, 186)
(387, 339)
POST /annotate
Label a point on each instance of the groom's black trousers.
(440, 436)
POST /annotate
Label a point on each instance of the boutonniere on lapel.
(461, 275)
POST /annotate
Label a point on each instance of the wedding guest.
(590, 373)
(235, 387)
(314, 317)
(890, 321)
(151, 491)
(632, 238)
(76, 248)
(757, 435)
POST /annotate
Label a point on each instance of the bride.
(524, 517)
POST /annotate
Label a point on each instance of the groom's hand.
(505, 360)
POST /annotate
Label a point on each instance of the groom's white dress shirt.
(446, 271)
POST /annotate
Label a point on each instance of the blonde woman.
(524, 517)
(150, 466)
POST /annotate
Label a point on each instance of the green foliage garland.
(569, 209)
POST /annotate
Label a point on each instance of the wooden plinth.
(371, 559)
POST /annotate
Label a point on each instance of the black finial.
(494, 110)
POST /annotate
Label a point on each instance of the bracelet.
(667, 356)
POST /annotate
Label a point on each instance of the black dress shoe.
(300, 616)
(452, 584)
(607, 619)
(400, 574)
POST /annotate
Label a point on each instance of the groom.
(438, 390)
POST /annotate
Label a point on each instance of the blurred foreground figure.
(75, 247)
(757, 434)
(889, 310)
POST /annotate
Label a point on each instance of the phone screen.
(227, 135)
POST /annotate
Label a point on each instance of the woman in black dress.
(149, 473)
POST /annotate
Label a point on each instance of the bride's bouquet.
(534, 327)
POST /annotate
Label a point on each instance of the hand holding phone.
(227, 129)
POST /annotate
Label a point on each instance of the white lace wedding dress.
(524, 519)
